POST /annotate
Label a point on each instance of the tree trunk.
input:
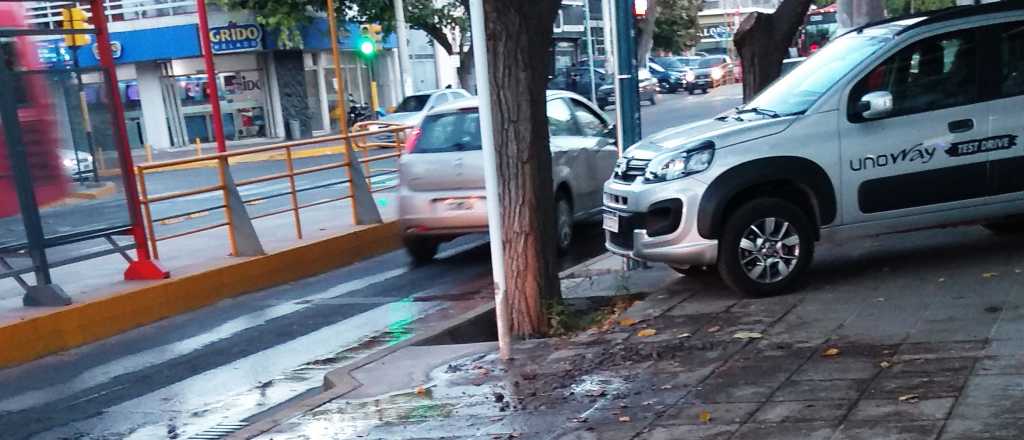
(645, 34)
(519, 36)
(763, 40)
(467, 75)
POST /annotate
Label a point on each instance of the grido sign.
(236, 38)
(715, 32)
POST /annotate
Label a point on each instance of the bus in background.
(820, 26)
(35, 112)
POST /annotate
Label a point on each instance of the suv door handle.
(961, 126)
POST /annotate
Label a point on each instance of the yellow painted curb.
(79, 324)
(104, 190)
(256, 157)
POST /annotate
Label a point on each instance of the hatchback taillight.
(410, 144)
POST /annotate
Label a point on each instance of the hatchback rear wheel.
(421, 249)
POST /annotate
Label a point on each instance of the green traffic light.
(367, 48)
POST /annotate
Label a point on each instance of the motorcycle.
(359, 112)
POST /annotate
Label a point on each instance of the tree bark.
(519, 36)
(645, 33)
(763, 40)
(854, 13)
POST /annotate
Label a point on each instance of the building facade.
(264, 89)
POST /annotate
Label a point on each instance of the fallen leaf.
(989, 275)
(747, 335)
(684, 335)
(909, 398)
(831, 351)
(885, 364)
(647, 332)
(666, 387)
(713, 329)
(596, 393)
(942, 280)
(705, 417)
(626, 322)
(625, 419)
(420, 390)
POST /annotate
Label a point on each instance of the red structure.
(144, 267)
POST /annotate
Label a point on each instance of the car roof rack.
(958, 12)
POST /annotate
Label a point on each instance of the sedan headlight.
(690, 76)
(716, 73)
(678, 164)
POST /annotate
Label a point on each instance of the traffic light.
(369, 42)
(74, 18)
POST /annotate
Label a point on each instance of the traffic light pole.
(627, 90)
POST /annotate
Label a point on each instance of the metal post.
(628, 95)
(84, 106)
(402, 31)
(144, 267)
(590, 50)
(364, 208)
(241, 233)
(483, 86)
(44, 293)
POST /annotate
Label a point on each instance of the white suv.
(897, 126)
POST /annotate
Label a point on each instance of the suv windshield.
(709, 62)
(412, 103)
(688, 62)
(668, 63)
(801, 88)
(450, 132)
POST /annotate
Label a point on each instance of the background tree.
(895, 8)
(763, 41)
(446, 22)
(519, 40)
(645, 32)
(677, 29)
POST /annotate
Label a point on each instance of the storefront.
(163, 82)
(717, 27)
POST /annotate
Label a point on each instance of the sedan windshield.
(707, 63)
(801, 88)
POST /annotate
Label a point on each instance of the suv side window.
(560, 121)
(1012, 37)
(590, 124)
(931, 74)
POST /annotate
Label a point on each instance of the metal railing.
(362, 140)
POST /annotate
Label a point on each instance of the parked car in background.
(688, 63)
(76, 165)
(414, 108)
(578, 79)
(668, 81)
(441, 192)
(648, 90)
(711, 71)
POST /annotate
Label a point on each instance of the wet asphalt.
(230, 362)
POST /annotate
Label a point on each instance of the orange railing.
(364, 137)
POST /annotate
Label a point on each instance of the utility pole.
(483, 86)
(627, 91)
(402, 31)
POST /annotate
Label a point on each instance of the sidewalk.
(913, 343)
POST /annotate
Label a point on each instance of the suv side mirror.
(875, 105)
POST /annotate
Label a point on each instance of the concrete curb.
(104, 190)
(56, 330)
(339, 382)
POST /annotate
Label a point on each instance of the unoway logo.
(917, 153)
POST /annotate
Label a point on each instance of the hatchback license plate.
(611, 222)
(458, 205)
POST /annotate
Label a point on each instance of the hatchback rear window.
(450, 132)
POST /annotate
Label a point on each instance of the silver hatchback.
(441, 191)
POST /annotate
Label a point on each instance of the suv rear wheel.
(765, 245)
(422, 250)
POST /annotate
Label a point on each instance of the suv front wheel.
(765, 245)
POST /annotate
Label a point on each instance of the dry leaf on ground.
(705, 417)
(885, 364)
(626, 322)
(748, 335)
(625, 419)
(421, 390)
(713, 329)
(831, 351)
(684, 335)
(647, 332)
(989, 275)
(909, 398)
